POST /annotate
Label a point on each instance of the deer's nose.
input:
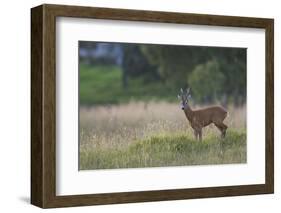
(182, 108)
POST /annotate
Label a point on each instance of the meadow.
(138, 134)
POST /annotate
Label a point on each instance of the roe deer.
(202, 117)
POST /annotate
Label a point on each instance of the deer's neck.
(188, 113)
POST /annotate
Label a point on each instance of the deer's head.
(184, 97)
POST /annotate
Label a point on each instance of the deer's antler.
(181, 91)
(185, 95)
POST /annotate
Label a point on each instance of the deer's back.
(211, 114)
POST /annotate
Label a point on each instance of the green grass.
(176, 149)
(103, 85)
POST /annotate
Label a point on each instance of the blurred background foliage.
(113, 73)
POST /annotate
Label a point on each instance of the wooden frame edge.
(43, 103)
(37, 190)
(269, 138)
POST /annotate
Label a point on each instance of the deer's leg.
(200, 134)
(218, 126)
(196, 134)
(222, 127)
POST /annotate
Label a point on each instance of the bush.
(206, 81)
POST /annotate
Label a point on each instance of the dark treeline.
(213, 73)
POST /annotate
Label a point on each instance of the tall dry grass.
(118, 127)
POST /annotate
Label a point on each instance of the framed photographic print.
(135, 106)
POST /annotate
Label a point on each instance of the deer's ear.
(189, 96)
(179, 97)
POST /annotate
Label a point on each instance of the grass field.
(155, 134)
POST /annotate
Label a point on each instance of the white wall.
(15, 104)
